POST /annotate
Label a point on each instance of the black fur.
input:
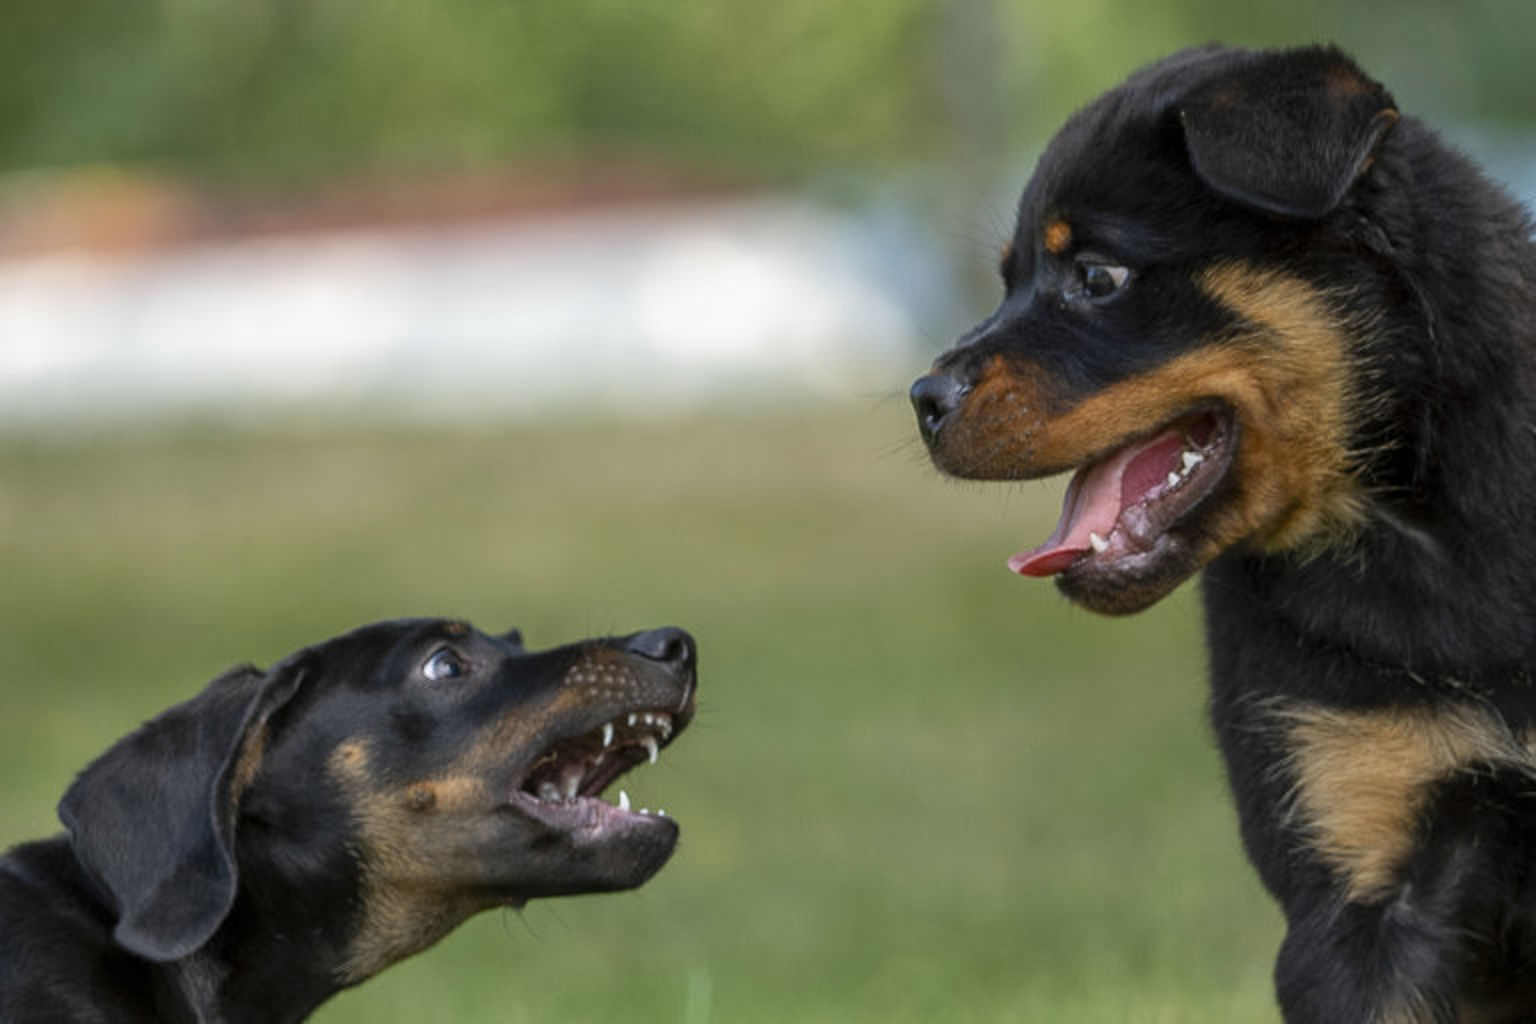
(235, 859)
(1419, 606)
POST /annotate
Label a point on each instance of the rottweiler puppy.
(1286, 337)
(289, 833)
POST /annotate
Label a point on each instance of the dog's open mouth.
(564, 785)
(1120, 506)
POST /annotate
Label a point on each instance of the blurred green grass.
(919, 789)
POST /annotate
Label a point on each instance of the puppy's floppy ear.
(1288, 132)
(153, 819)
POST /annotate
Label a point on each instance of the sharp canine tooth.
(1191, 460)
(623, 800)
(651, 750)
(633, 718)
(1096, 542)
(607, 734)
(1173, 478)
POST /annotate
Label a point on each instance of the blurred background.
(592, 316)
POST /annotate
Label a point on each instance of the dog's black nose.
(934, 397)
(668, 644)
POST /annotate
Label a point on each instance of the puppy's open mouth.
(564, 785)
(1119, 508)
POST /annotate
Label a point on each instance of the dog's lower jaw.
(1134, 586)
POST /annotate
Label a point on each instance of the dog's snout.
(934, 396)
(669, 645)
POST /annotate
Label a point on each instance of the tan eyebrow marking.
(1057, 236)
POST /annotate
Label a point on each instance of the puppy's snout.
(669, 645)
(935, 396)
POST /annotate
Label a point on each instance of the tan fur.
(994, 431)
(1297, 408)
(1407, 1009)
(1057, 237)
(350, 759)
(1361, 778)
(253, 747)
(411, 892)
(1286, 373)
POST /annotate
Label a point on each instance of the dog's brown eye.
(1100, 280)
(443, 664)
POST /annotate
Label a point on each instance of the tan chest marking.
(1361, 779)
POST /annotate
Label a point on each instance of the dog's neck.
(1441, 578)
(257, 979)
(277, 958)
(280, 952)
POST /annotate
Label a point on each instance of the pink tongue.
(1095, 499)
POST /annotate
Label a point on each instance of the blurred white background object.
(638, 307)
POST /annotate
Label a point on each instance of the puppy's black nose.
(669, 644)
(934, 397)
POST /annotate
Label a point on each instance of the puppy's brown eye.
(1101, 280)
(443, 664)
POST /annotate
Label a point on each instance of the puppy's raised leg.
(1406, 956)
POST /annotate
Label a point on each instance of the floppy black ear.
(153, 819)
(1288, 132)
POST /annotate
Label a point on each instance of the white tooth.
(1191, 460)
(1173, 478)
(623, 800)
(572, 782)
(645, 810)
(607, 734)
(660, 813)
(1096, 542)
(548, 791)
(632, 719)
(651, 749)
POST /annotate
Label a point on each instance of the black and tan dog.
(289, 833)
(1288, 337)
